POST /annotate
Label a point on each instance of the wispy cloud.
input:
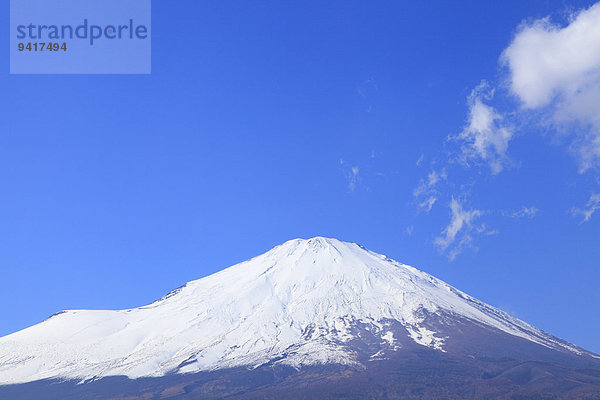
(426, 193)
(457, 235)
(365, 90)
(590, 208)
(523, 212)
(492, 232)
(556, 70)
(352, 175)
(420, 160)
(485, 137)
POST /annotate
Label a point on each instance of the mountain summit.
(305, 303)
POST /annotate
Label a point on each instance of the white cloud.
(352, 175)
(485, 138)
(590, 208)
(420, 160)
(428, 203)
(353, 178)
(524, 212)
(556, 70)
(426, 193)
(546, 60)
(434, 177)
(587, 148)
(465, 242)
(457, 235)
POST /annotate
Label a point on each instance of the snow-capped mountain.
(305, 302)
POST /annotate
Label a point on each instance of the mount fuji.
(316, 318)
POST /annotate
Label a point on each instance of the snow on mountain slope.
(304, 295)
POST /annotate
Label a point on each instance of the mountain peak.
(315, 244)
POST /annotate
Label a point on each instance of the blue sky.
(430, 132)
